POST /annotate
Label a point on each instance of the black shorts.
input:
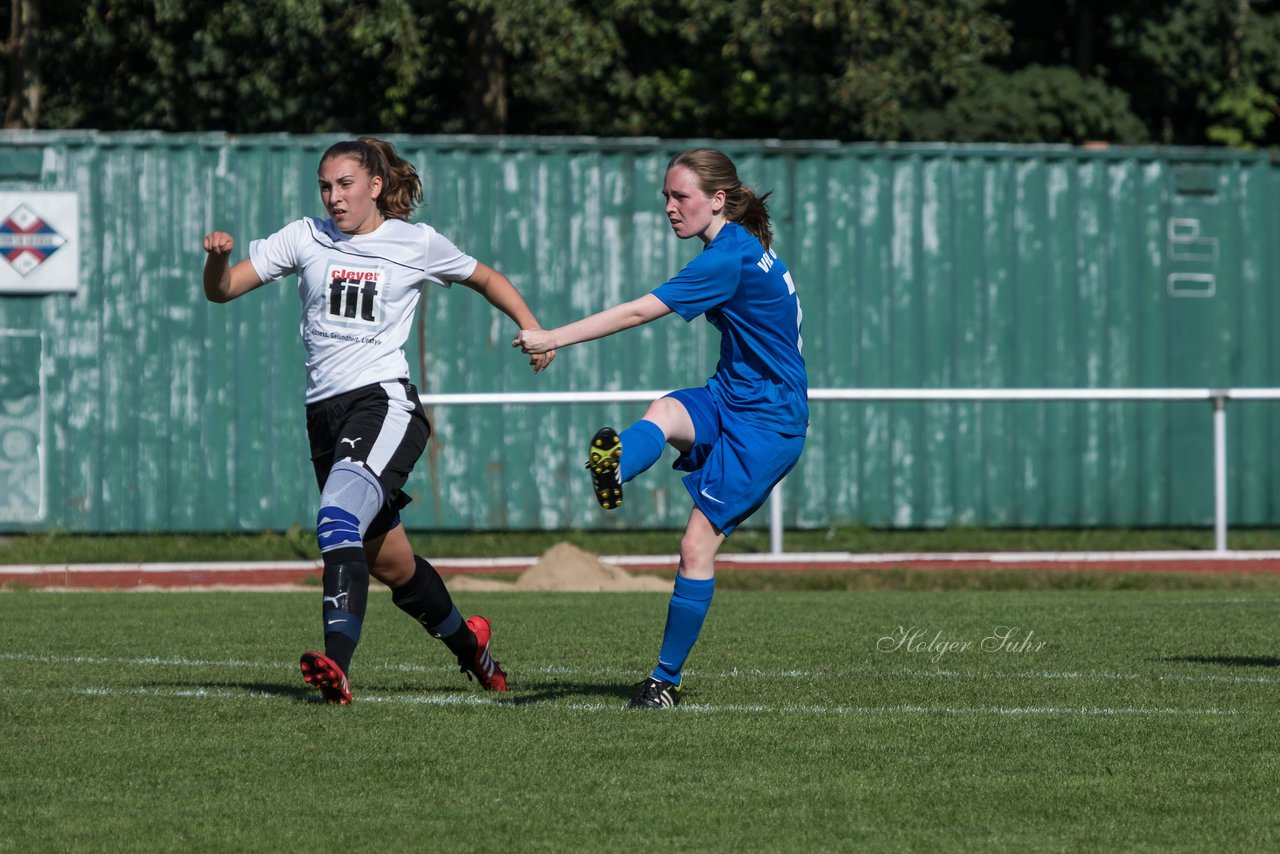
(382, 426)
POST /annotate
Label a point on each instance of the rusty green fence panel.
(130, 404)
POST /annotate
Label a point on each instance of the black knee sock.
(427, 600)
(346, 593)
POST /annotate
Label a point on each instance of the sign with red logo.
(39, 242)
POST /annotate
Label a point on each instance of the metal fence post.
(775, 518)
(1219, 470)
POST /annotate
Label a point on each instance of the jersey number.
(791, 289)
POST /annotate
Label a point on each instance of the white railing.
(1218, 397)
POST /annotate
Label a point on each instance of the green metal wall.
(135, 405)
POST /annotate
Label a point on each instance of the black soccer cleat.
(606, 454)
(655, 694)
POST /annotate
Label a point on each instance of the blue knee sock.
(688, 608)
(642, 446)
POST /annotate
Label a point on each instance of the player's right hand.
(218, 243)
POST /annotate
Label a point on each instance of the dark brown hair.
(401, 186)
(715, 171)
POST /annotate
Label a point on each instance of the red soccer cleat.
(485, 668)
(321, 672)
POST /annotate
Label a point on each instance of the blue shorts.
(733, 465)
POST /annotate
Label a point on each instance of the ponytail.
(401, 186)
(715, 171)
(754, 215)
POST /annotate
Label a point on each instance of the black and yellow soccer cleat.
(606, 454)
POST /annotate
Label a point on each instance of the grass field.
(1139, 720)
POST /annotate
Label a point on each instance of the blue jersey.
(748, 295)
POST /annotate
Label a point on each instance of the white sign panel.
(39, 242)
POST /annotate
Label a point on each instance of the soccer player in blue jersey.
(740, 433)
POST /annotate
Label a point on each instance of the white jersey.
(359, 293)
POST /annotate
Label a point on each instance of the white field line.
(684, 708)
(610, 673)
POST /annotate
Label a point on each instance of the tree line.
(1181, 72)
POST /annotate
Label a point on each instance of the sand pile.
(566, 567)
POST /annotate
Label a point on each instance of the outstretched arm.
(222, 282)
(607, 322)
(503, 296)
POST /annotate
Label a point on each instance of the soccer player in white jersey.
(360, 274)
(740, 433)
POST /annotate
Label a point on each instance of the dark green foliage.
(1195, 71)
(1203, 70)
(285, 65)
(1035, 104)
(1187, 72)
